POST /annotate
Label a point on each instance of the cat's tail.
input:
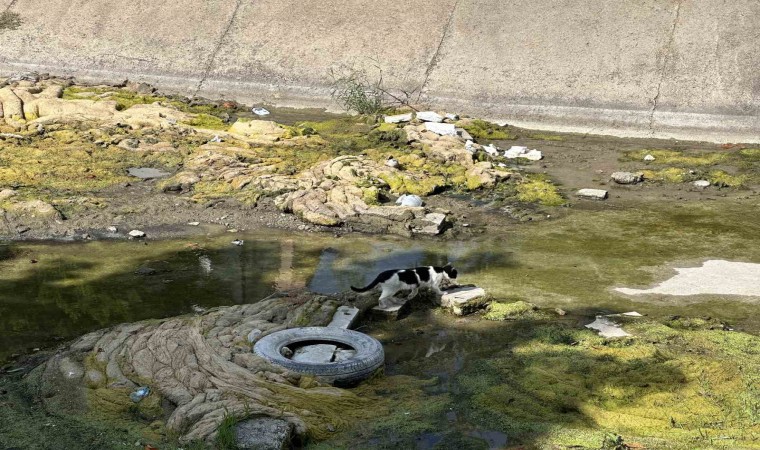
(369, 287)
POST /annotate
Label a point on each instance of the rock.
(463, 300)
(70, 369)
(35, 208)
(627, 177)
(432, 224)
(140, 88)
(5, 194)
(254, 335)
(597, 194)
(451, 116)
(95, 379)
(699, 183)
(263, 433)
(398, 118)
(315, 354)
(429, 116)
(649, 158)
(344, 317)
(344, 354)
(146, 271)
(464, 134)
(129, 144)
(264, 130)
(442, 129)
(607, 328)
(146, 173)
(409, 200)
(137, 234)
(390, 312)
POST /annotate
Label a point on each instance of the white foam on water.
(714, 277)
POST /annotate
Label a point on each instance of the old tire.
(369, 353)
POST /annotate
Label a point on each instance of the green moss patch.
(675, 157)
(480, 129)
(538, 189)
(505, 311)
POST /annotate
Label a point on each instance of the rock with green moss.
(508, 311)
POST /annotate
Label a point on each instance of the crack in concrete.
(434, 60)
(212, 58)
(10, 5)
(665, 60)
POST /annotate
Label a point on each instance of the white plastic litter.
(518, 151)
(260, 111)
(429, 116)
(392, 162)
(443, 129)
(491, 150)
(398, 118)
(409, 200)
(607, 328)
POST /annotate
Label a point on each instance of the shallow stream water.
(55, 291)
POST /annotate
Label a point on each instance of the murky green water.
(55, 291)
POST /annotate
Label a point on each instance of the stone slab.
(464, 300)
(390, 313)
(596, 194)
(314, 354)
(344, 317)
(263, 433)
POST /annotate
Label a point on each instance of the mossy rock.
(506, 311)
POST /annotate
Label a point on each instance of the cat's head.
(450, 272)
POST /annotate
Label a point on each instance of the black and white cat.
(394, 281)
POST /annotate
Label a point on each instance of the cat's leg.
(385, 296)
(413, 293)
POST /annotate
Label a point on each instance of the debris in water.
(205, 263)
(260, 111)
(518, 151)
(139, 394)
(607, 328)
(649, 158)
(429, 116)
(137, 234)
(392, 162)
(409, 200)
(398, 118)
(442, 129)
(193, 224)
(238, 242)
(491, 150)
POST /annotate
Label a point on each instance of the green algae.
(670, 175)
(676, 157)
(506, 311)
(539, 189)
(207, 121)
(481, 129)
(724, 179)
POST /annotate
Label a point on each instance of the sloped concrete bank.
(637, 68)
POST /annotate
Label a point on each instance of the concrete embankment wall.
(662, 68)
